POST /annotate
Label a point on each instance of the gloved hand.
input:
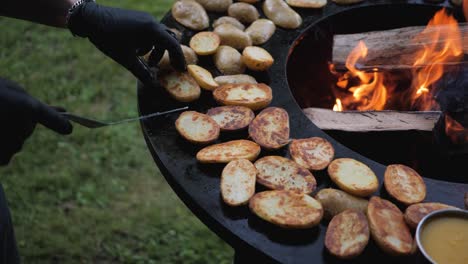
(124, 35)
(19, 114)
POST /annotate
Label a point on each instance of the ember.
(455, 131)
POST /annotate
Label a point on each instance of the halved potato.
(307, 3)
(270, 128)
(261, 30)
(202, 77)
(238, 182)
(278, 173)
(228, 20)
(232, 36)
(313, 153)
(197, 127)
(205, 43)
(231, 118)
(228, 60)
(347, 234)
(287, 209)
(336, 201)
(190, 14)
(404, 184)
(180, 85)
(353, 177)
(416, 212)
(245, 13)
(388, 227)
(229, 151)
(281, 14)
(235, 79)
(189, 55)
(256, 58)
(253, 96)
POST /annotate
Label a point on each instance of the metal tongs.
(92, 123)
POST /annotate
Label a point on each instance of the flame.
(338, 106)
(455, 131)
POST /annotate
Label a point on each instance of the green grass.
(94, 196)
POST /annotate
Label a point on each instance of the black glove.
(19, 113)
(124, 35)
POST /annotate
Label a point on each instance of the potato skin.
(189, 55)
(215, 5)
(261, 30)
(404, 184)
(336, 201)
(416, 212)
(281, 14)
(228, 60)
(232, 36)
(190, 14)
(228, 20)
(245, 13)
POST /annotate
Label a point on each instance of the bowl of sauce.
(442, 236)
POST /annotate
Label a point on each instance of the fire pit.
(198, 185)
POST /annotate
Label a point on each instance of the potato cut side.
(353, 177)
(257, 59)
(336, 201)
(229, 151)
(231, 118)
(404, 184)
(235, 79)
(416, 212)
(189, 55)
(280, 173)
(347, 234)
(197, 127)
(253, 96)
(202, 77)
(238, 182)
(313, 153)
(307, 3)
(270, 128)
(205, 43)
(180, 85)
(287, 209)
(388, 227)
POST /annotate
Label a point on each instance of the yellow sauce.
(445, 240)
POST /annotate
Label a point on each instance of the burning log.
(365, 121)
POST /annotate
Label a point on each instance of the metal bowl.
(436, 214)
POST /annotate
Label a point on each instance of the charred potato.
(336, 201)
(416, 212)
(190, 14)
(253, 96)
(197, 127)
(228, 60)
(281, 14)
(231, 118)
(238, 182)
(228, 20)
(353, 177)
(180, 85)
(235, 79)
(245, 13)
(270, 128)
(229, 151)
(404, 184)
(232, 36)
(256, 58)
(260, 31)
(313, 153)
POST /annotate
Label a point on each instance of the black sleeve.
(8, 249)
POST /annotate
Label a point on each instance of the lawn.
(94, 196)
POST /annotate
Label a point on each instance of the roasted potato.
(228, 60)
(197, 127)
(231, 118)
(416, 212)
(253, 96)
(388, 227)
(347, 234)
(228, 20)
(190, 14)
(261, 30)
(313, 153)
(336, 201)
(232, 36)
(235, 79)
(205, 43)
(202, 77)
(189, 55)
(281, 14)
(256, 58)
(180, 85)
(215, 5)
(229, 151)
(280, 173)
(307, 3)
(287, 209)
(270, 128)
(238, 182)
(353, 177)
(404, 184)
(245, 13)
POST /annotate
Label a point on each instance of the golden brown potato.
(287, 209)
(336, 201)
(404, 184)
(270, 128)
(256, 58)
(313, 153)
(238, 182)
(205, 43)
(180, 85)
(253, 96)
(353, 177)
(347, 234)
(280, 173)
(232, 36)
(388, 228)
(229, 151)
(347, 2)
(416, 212)
(281, 14)
(228, 20)
(202, 77)
(190, 14)
(228, 60)
(245, 13)
(231, 118)
(235, 79)
(261, 30)
(197, 127)
(189, 55)
(215, 5)
(307, 3)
